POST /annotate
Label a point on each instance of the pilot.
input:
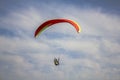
(56, 61)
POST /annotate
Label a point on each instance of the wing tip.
(79, 30)
(35, 35)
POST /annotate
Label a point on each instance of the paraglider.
(56, 61)
(49, 23)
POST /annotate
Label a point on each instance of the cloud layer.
(93, 54)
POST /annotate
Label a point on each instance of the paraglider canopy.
(48, 23)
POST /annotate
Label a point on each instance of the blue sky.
(94, 54)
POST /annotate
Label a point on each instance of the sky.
(93, 54)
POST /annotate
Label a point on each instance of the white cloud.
(111, 46)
